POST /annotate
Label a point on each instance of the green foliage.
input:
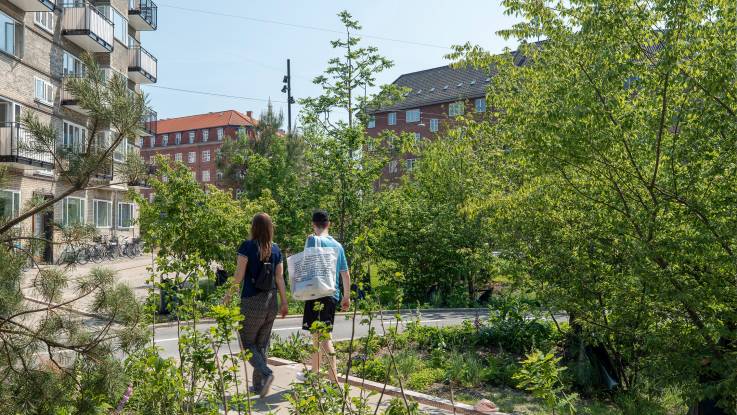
(372, 369)
(295, 347)
(500, 369)
(158, 387)
(541, 375)
(516, 327)
(464, 369)
(424, 378)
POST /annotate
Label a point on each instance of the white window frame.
(65, 210)
(178, 157)
(393, 166)
(456, 109)
(111, 13)
(205, 135)
(44, 20)
(15, 201)
(206, 176)
(119, 222)
(418, 137)
(47, 91)
(77, 66)
(206, 155)
(219, 175)
(95, 207)
(153, 142)
(191, 136)
(120, 153)
(192, 157)
(479, 105)
(82, 136)
(409, 164)
(18, 42)
(434, 125)
(220, 133)
(391, 118)
(372, 121)
(412, 115)
(177, 139)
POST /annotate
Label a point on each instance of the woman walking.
(261, 271)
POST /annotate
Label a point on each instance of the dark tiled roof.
(446, 84)
(443, 84)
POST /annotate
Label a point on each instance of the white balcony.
(142, 66)
(85, 25)
(19, 149)
(35, 5)
(142, 14)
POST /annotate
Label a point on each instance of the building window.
(153, 141)
(418, 137)
(412, 115)
(393, 166)
(205, 135)
(11, 35)
(219, 175)
(74, 136)
(73, 211)
(9, 204)
(151, 198)
(103, 212)
(125, 215)
(480, 104)
(192, 157)
(165, 140)
(409, 164)
(44, 92)
(71, 65)
(178, 157)
(45, 20)
(220, 134)
(205, 175)
(372, 121)
(391, 118)
(121, 151)
(206, 155)
(434, 123)
(191, 137)
(455, 109)
(177, 139)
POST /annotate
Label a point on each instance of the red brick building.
(436, 96)
(196, 139)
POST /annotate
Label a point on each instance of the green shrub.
(408, 362)
(437, 358)
(423, 379)
(295, 347)
(500, 369)
(464, 369)
(516, 326)
(371, 369)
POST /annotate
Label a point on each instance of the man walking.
(323, 309)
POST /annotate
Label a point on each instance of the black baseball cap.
(320, 217)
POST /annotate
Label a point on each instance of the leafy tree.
(624, 123)
(344, 161)
(271, 162)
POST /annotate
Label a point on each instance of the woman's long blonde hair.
(262, 231)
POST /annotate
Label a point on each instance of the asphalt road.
(166, 337)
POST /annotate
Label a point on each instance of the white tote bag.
(312, 272)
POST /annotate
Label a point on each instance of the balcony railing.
(142, 66)
(87, 26)
(68, 99)
(142, 14)
(35, 5)
(19, 147)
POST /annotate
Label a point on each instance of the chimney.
(249, 114)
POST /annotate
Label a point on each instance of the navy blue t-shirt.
(249, 249)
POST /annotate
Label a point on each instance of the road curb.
(423, 398)
(387, 313)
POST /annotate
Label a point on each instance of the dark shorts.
(326, 315)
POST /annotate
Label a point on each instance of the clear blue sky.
(241, 57)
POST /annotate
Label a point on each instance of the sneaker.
(267, 385)
(254, 390)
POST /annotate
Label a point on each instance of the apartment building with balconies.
(41, 44)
